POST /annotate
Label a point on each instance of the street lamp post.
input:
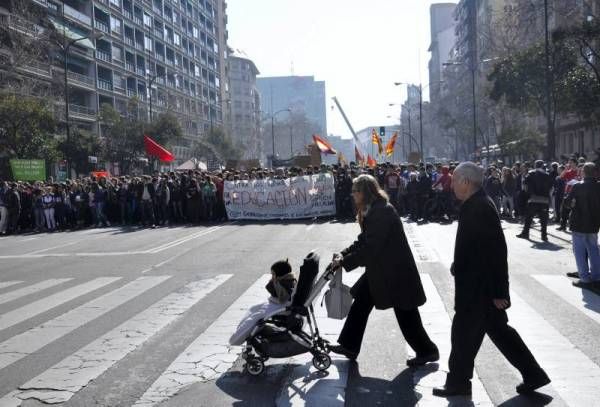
(273, 127)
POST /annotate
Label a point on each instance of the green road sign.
(28, 170)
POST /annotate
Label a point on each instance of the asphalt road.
(120, 317)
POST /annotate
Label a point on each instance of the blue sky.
(359, 47)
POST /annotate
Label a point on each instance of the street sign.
(28, 170)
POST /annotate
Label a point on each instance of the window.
(147, 20)
(115, 25)
(195, 32)
(148, 43)
(176, 39)
(116, 3)
(197, 71)
(117, 53)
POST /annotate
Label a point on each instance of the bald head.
(467, 179)
(469, 172)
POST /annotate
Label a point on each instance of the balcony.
(105, 85)
(140, 71)
(103, 55)
(139, 46)
(37, 69)
(19, 24)
(159, 33)
(75, 112)
(101, 26)
(138, 20)
(128, 14)
(160, 57)
(79, 79)
(77, 15)
(130, 67)
(131, 93)
(129, 41)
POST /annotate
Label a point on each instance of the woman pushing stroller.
(391, 278)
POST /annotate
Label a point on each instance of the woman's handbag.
(338, 298)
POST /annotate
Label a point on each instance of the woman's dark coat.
(382, 248)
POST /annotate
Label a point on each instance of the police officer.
(537, 184)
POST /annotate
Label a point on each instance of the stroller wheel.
(321, 361)
(254, 366)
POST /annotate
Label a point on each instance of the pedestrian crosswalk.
(207, 357)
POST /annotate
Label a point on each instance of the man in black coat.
(391, 278)
(538, 184)
(480, 271)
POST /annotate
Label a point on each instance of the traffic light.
(382, 132)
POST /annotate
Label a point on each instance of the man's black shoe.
(523, 236)
(340, 350)
(449, 391)
(421, 360)
(529, 386)
(583, 284)
(561, 229)
(573, 274)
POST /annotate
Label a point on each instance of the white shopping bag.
(338, 298)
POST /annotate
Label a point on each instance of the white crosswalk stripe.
(209, 356)
(22, 345)
(563, 362)
(37, 307)
(31, 289)
(438, 326)
(59, 383)
(5, 284)
(584, 300)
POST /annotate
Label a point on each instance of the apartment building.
(244, 104)
(168, 54)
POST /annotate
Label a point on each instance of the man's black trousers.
(409, 321)
(541, 211)
(468, 330)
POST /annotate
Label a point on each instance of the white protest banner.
(291, 198)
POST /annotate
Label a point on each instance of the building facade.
(244, 105)
(443, 38)
(301, 94)
(167, 54)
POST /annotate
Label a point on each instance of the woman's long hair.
(371, 191)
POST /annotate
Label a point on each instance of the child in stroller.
(275, 330)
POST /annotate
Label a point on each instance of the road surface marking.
(584, 300)
(302, 387)
(574, 376)
(182, 240)
(59, 383)
(52, 248)
(209, 355)
(38, 307)
(4, 284)
(31, 289)
(438, 326)
(36, 338)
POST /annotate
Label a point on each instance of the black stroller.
(282, 335)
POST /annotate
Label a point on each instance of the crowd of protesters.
(192, 197)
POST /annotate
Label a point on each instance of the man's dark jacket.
(382, 248)
(585, 197)
(480, 266)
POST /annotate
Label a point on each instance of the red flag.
(358, 156)
(158, 151)
(323, 145)
(371, 162)
(376, 139)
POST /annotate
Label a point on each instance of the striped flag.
(377, 140)
(389, 149)
(323, 145)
